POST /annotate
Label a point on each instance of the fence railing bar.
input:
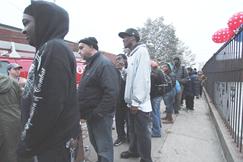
(224, 70)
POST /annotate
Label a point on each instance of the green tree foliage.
(162, 42)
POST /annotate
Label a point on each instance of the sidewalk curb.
(228, 146)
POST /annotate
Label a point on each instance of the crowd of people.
(40, 117)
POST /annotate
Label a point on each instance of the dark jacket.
(49, 104)
(121, 104)
(157, 83)
(99, 88)
(191, 87)
(180, 73)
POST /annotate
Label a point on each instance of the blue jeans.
(140, 134)
(169, 100)
(100, 135)
(156, 129)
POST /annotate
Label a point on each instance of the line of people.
(51, 106)
(173, 83)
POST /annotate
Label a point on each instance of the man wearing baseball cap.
(14, 73)
(130, 32)
(14, 70)
(137, 97)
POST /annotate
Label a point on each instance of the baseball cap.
(14, 66)
(130, 32)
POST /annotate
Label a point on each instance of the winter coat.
(180, 73)
(10, 124)
(138, 82)
(99, 88)
(191, 87)
(157, 83)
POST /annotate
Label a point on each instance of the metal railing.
(224, 71)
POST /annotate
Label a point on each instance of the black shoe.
(155, 136)
(128, 154)
(119, 142)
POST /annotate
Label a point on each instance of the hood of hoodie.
(170, 66)
(51, 21)
(5, 84)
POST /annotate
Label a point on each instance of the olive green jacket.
(10, 124)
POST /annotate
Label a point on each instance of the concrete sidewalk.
(192, 138)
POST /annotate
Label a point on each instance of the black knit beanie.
(90, 41)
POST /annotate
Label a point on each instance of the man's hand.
(134, 109)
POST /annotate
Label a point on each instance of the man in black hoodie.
(49, 105)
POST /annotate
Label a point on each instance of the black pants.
(58, 154)
(189, 102)
(140, 135)
(200, 92)
(121, 119)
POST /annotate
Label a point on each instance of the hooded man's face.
(29, 29)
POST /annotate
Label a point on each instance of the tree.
(161, 40)
(188, 58)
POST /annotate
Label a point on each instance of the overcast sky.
(195, 21)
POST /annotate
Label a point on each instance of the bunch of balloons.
(222, 35)
(225, 34)
(235, 21)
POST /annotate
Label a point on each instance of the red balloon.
(222, 35)
(235, 21)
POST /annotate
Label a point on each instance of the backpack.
(178, 87)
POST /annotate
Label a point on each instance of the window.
(3, 67)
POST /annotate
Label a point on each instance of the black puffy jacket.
(99, 88)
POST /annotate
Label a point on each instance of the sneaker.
(119, 142)
(168, 122)
(165, 118)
